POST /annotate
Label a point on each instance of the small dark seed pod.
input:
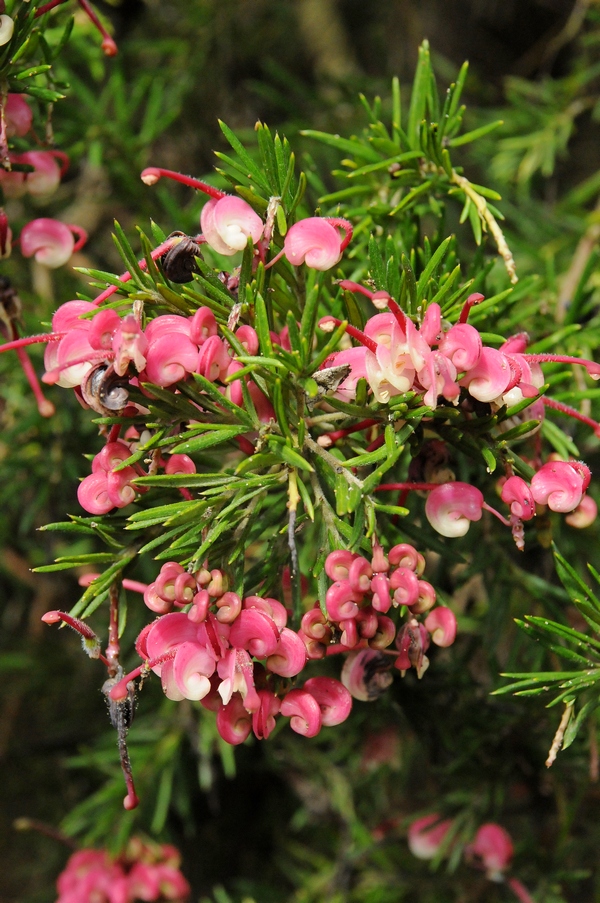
(179, 263)
(104, 391)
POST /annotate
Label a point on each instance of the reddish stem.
(45, 407)
(113, 647)
(53, 617)
(571, 412)
(134, 585)
(47, 7)
(354, 287)
(114, 433)
(357, 334)
(592, 368)
(376, 443)
(108, 45)
(398, 313)
(143, 265)
(336, 435)
(245, 445)
(64, 159)
(520, 891)
(53, 375)
(422, 487)
(497, 514)
(32, 340)
(152, 174)
(119, 691)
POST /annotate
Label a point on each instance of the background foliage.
(287, 820)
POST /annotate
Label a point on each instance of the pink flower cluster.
(144, 871)
(437, 360)
(237, 656)
(491, 849)
(231, 654)
(169, 349)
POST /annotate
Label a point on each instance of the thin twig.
(560, 734)
(332, 462)
(489, 222)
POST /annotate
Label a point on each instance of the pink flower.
(304, 711)
(263, 720)
(234, 723)
(42, 181)
(18, 116)
(228, 222)
(441, 624)
(289, 658)
(7, 26)
(560, 485)
(192, 668)
(170, 357)
(462, 345)
(317, 242)
(493, 847)
(451, 507)
(516, 493)
(585, 513)
(426, 835)
(50, 241)
(129, 345)
(490, 376)
(333, 698)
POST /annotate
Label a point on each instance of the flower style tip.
(152, 174)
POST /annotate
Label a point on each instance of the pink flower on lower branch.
(144, 871)
(517, 493)
(493, 848)
(50, 241)
(427, 834)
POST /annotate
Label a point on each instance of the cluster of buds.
(490, 850)
(238, 657)
(357, 606)
(235, 655)
(144, 871)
